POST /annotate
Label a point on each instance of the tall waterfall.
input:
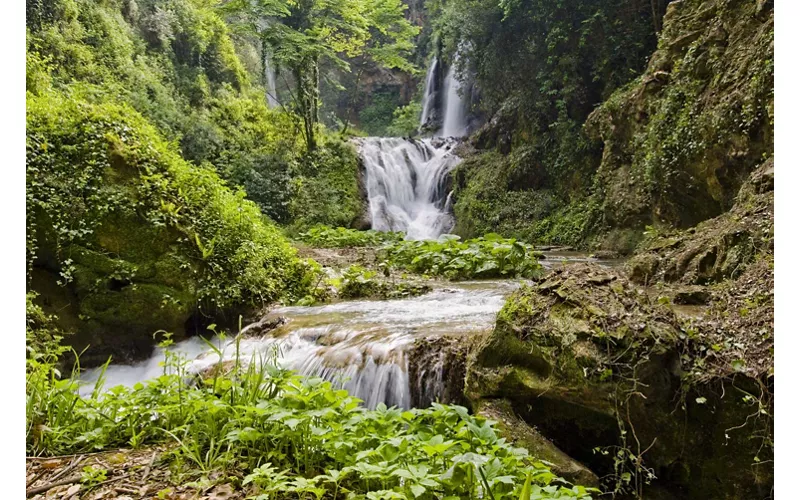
(455, 109)
(269, 78)
(407, 185)
(429, 100)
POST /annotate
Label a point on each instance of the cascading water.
(429, 99)
(455, 108)
(269, 78)
(407, 185)
(359, 345)
(364, 346)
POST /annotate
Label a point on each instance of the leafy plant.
(490, 256)
(293, 436)
(340, 237)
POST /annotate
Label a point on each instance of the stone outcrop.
(586, 358)
(679, 142)
(717, 249)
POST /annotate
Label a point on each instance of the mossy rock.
(718, 249)
(140, 239)
(582, 354)
(681, 140)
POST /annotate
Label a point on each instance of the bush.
(325, 187)
(490, 256)
(103, 186)
(340, 237)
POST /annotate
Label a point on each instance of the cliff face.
(679, 142)
(669, 149)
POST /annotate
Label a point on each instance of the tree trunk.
(307, 76)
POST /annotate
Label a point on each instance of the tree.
(304, 33)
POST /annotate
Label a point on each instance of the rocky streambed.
(614, 372)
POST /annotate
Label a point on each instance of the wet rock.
(436, 371)
(264, 326)
(525, 436)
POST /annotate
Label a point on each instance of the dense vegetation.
(176, 147)
(283, 436)
(490, 256)
(590, 149)
(341, 237)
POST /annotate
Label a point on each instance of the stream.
(365, 346)
(360, 345)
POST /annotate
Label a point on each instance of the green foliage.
(175, 63)
(90, 166)
(359, 282)
(377, 116)
(312, 33)
(405, 120)
(325, 187)
(517, 195)
(340, 237)
(490, 256)
(567, 55)
(42, 336)
(291, 436)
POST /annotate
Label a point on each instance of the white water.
(406, 185)
(269, 77)
(455, 108)
(429, 98)
(359, 345)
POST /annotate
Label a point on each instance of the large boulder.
(615, 381)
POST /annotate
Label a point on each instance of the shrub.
(290, 435)
(490, 256)
(340, 237)
(100, 178)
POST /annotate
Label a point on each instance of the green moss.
(150, 245)
(517, 196)
(682, 139)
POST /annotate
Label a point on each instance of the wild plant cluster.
(324, 236)
(280, 435)
(490, 256)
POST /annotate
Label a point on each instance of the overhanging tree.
(304, 33)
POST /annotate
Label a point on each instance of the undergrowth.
(490, 256)
(279, 435)
(328, 237)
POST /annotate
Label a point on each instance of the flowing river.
(360, 345)
(365, 346)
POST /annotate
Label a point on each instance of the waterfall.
(269, 78)
(429, 100)
(455, 112)
(407, 185)
(401, 352)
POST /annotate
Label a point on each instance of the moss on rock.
(141, 240)
(589, 360)
(718, 249)
(681, 140)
